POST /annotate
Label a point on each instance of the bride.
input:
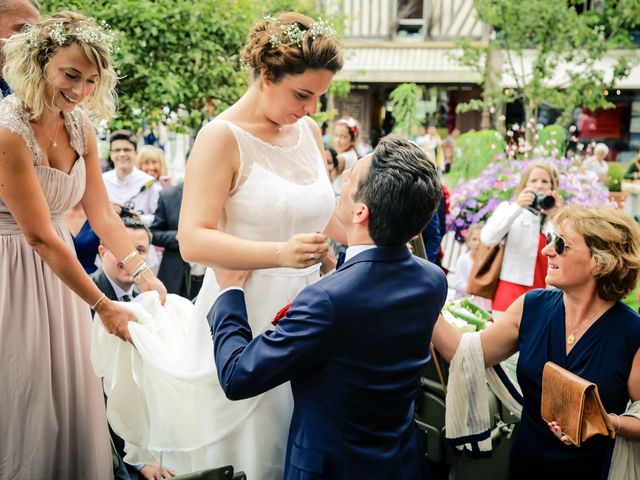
(256, 195)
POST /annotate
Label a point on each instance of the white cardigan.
(521, 248)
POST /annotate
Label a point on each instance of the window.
(410, 18)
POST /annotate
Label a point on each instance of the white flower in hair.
(292, 33)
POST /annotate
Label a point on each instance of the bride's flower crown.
(58, 33)
(293, 34)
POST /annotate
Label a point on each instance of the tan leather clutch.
(574, 404)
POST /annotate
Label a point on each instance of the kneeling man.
(353, 344)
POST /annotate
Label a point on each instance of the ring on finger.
(312, 256)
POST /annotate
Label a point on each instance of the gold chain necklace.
(571, 338)
(53, 142)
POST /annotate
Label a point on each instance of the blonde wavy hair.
(28, 53)
(613, 239)
(150, 152)
(547, 167)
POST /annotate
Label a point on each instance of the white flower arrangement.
(293, 34)
(59, 34)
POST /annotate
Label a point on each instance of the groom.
(353, 344)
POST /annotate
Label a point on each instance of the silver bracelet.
(140, 271)
(619, 422)
(132, 254)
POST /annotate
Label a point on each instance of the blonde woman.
(52, 419)
(151, 161)
(523, 223)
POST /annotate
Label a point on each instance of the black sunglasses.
(558, 243)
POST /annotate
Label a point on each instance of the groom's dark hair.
(401, 191)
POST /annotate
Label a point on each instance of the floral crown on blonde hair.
(293, 34)
(98, 34)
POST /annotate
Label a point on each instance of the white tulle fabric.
(163, 395)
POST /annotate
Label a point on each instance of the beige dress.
(52, 419)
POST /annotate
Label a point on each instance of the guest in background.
(633, 172)
(596, 163)
(151, 161)
(127, 186)
(524, 228)
(464, 265)
(174, 272)
(14, 15)
(85, 240)
(345, 135)
(331, 157)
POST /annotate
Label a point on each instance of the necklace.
(571, 338)
(53, 142)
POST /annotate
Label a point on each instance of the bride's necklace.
(571, 338)
(53, 142)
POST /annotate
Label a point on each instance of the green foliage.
(552, 141)
(172, 52)
(557, 34)
(340, 88)
(404, 99)
(615, 174)
(476, 151)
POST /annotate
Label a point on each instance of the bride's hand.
(303, 250)
(148, 281)
(115, 319)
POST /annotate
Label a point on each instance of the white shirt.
(599, 167)
(118, 291)
(135, 188)
(356, 250)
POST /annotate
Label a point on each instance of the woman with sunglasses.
(523, 223)
(581, 325)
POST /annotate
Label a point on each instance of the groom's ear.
(360, 213)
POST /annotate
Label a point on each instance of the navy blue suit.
(353, 346)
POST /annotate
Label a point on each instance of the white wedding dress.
(164, 397)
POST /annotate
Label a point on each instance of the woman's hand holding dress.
(115, 319)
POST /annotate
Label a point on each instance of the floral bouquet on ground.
(474, 201)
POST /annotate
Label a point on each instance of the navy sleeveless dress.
(603, 355)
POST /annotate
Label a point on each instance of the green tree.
(404, 99)
(557, 34)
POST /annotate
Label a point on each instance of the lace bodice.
(280, 191)
(61, 190)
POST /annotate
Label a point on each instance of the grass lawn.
(632, 298)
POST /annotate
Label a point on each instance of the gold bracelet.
(133, 253)
(619, 423)
(102, 297)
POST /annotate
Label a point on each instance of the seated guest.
(353, 344)
(633, 172)
(581, 325)
(128, 187)
(464, 266)
(117, 284)
(596, 163)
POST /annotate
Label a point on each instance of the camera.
(542, 201)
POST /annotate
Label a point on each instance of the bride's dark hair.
(290, 44)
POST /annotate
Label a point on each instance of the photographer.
(523, 223)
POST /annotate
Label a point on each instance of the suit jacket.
(173, 269)
(353, 345)
(103, 283)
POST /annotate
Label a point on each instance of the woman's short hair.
(290, 44)
(29, 52)
(547, 167)
(614, 241)
(150, 152)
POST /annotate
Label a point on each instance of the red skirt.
(507, 292)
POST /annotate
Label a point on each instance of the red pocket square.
(281, 313)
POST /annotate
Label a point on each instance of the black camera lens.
(543, 201)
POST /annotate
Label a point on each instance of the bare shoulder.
(315, 129)
(13, 147)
